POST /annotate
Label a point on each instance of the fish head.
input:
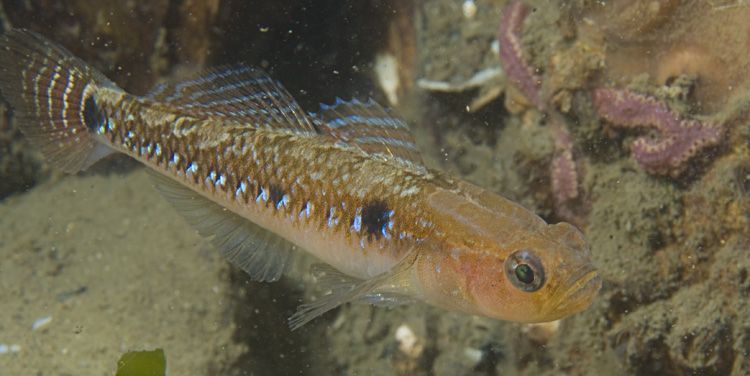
(543, 277)
(499, 260)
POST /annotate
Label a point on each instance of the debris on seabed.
(469, 8)
(386, 71)
(541, 333)
(41, 322)
(408, 342)
(478, 79)
(5, 348)
(489, 81)
(474, 355)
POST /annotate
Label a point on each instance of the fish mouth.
(583, 288)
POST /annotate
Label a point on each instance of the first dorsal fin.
(373, 129)
(244, 93)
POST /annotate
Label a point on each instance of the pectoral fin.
(388, 289)
(260, 253)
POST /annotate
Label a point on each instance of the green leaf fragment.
(142, 363)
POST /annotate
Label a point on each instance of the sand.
(102, 265)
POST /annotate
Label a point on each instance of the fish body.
(264, 179)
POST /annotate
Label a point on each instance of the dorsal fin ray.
(241, 92)
(373, 129)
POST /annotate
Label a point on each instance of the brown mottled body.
(333, 182)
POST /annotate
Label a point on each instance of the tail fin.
(53, 95)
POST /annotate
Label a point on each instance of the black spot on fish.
(375, 216)
(275, 194)
(92, 114)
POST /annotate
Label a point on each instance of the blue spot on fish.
(357, 223)
(191, 169)
(262, 195)
(332, 220)
(241, 189)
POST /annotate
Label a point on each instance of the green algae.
(142, 363)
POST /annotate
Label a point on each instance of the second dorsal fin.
(373, 129)
(243, 93)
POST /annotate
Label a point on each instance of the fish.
(266, 181)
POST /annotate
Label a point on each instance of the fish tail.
(53, 97)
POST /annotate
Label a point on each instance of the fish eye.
(525, 270)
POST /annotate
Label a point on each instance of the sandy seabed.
(95, 266)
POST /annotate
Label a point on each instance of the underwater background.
(629, 119)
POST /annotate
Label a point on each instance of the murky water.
(628, 119)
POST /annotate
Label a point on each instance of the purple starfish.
(677, 138)
(511, 53)
(563, 169)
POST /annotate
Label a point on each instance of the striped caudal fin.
(53, 96)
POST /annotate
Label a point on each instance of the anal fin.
(259, 252)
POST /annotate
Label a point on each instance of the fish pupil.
(525, 270)
(524, 273)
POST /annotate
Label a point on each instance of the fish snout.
(582, 288)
